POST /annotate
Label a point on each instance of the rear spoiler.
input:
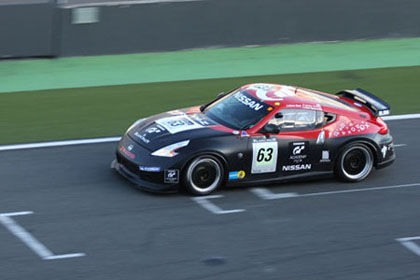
(375, 104)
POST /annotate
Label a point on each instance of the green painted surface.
(108, 111)
(94, 71)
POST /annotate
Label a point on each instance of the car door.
(298, 140)
(293, 150)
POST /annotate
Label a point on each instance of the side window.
(297, 120)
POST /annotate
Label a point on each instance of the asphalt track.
(81, 206)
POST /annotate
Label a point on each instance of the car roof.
(285, 96)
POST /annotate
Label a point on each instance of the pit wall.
(63, 30)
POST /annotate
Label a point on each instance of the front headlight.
(170, 151)
(135, 124)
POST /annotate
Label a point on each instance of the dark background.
(46, 29)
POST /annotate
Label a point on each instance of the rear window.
(326, 100)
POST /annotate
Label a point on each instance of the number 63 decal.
(264, 157)
(264, 154)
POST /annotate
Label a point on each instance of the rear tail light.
(383, 128)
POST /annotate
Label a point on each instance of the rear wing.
(375, 104)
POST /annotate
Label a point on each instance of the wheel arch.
(216, 154)
(366, 141)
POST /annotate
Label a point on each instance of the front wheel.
(203, 175)
(354, 163)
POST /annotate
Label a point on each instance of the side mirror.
(278, 115)
(220, 95)
(270, 129)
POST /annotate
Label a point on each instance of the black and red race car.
(258, 133)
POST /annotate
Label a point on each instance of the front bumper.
(132, 160)
(141, 183)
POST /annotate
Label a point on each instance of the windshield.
(238, 110)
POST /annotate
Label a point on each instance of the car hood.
(165, 129)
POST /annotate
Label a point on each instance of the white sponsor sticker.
(297, 167)
(384, 150)
(264, 156)
(178, 124)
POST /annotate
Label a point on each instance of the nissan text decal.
(248, 101)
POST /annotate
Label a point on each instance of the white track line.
(120, 3)
(266, 194)
(408, 243)
(59, 143)
(402, 117)
(29, 240)
(206, 204)
(399, 145)
(116, 139)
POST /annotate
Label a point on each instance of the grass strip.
(107, 70)
(60, 114)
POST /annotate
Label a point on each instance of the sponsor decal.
(235, 132)
(299, 106)
(130, 147)
(178, 124)
(385, 149)
(248, 101)
(277, 104)
(244, 133)
(154, 129)
(298, 151)
(271, 92)
(316, 107)
(142, 137)
(297, 167)
(264, 155)
(350, 128)
(149, 168)
(234, 175)
(127, 152)
(201, 119)
(171, 176)
(321, 138)
(325, 156)
(384, 112)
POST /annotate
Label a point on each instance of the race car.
(258, 133)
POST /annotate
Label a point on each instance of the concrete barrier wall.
(110, 29)
(26, 28)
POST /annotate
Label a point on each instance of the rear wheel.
(203, 175)
(354, 163)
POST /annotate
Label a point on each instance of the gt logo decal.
(264, 156)
(298, 149)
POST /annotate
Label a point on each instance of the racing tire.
(203, 175)
(354, 163)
